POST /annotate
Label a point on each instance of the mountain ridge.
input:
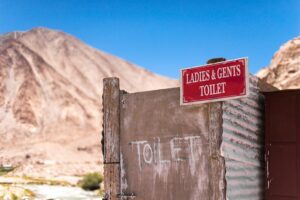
(51, 94)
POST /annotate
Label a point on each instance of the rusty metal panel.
(282, 145)
(165, 148)
(243, 144)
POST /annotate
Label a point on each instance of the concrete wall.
(169, 151)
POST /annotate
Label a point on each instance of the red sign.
(214, 82)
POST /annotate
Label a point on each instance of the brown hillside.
(50, 100)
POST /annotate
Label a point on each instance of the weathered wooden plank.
(112, 181)
(111, 126)
(164, 147)
(217, 162)
(217, 182)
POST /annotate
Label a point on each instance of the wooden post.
(215, 60)
(111, 126)
(217, 162)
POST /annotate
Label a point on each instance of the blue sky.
(165, 36)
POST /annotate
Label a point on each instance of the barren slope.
(284, 70)
(50, 100)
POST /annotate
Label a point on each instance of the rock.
(284, 70)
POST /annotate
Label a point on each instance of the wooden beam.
(217, 182)
(217, 162)
(111, 126)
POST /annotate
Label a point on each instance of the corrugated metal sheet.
(242, 145)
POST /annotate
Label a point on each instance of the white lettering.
(147, 153)
(230, 71)
(158, 153)
(212, 89)
(138, 143)
(196, 77)
(175, 150)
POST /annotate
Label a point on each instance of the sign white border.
(219, 99)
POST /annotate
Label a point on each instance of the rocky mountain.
(284, 70)
(50, 101)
